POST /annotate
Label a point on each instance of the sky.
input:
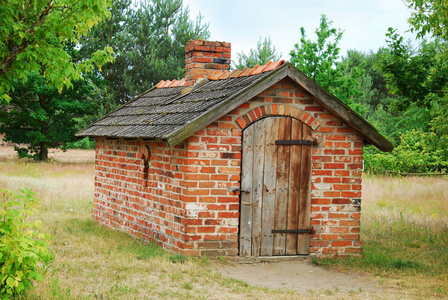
(243, 22)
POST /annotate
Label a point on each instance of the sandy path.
(303, 276)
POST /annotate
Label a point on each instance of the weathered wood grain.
(270, 175)
(303, 240)
(246, 198)
(257, 182)
(294, 187)
(282, 190)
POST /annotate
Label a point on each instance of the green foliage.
(24, 254)
(414, 119)
(429, 17)
(264, 53)
(39, 116)
(33, 37)
(178, 258)
(373, 92)
(149, 41)
(418, 152)
(419, 75)
(85, 143)
(318, 59)
(149, 251)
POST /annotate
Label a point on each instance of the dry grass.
(56, 155)
(92, 261)
(422, 200)
(405, 231)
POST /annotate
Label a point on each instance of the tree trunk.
(43, 152)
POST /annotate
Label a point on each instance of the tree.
(40, 116)
(149, 41)
(429, 17)
(417, 76)
(264, 53)
(318, 59)
(377, 93)
(33, 35)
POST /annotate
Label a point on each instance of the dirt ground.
(301, 275)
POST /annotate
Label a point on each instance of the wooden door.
(276, 184)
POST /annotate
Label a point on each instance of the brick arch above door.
(277, 110)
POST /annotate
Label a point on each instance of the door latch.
(239, 190)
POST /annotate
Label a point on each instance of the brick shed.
(259, 162)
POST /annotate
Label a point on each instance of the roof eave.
(338, 108)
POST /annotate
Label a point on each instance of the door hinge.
(297, 231)
(296, 142)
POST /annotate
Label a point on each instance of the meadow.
(404, 227)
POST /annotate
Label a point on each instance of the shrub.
(24, 254)
(418, 152)
(85, 143)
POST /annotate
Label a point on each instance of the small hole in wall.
(146, 159)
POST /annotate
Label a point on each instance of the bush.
(24, 254)
(418, 152)
(85, 143)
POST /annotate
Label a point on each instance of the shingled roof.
(171, 112)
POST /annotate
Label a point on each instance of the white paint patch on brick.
(322, 186)
(193, 209)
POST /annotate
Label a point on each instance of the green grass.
(178, 258)
(405, 232)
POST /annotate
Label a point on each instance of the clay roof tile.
(255, 70)
(245, 72)
(224, 75)
(160, 84)
(215, 75)
(235, 74)
(274, 65)
(177, 83)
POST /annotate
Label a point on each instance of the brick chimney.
(204, 57)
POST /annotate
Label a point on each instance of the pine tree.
(264, 53)
(149, 41)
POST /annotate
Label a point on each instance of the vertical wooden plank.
(294, 187)
(257, 185)
(270, 174)
(246, 198)
(303, 243)
(282, 186)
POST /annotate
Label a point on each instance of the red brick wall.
(204, 57)
(187, 204)
(149, 208)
